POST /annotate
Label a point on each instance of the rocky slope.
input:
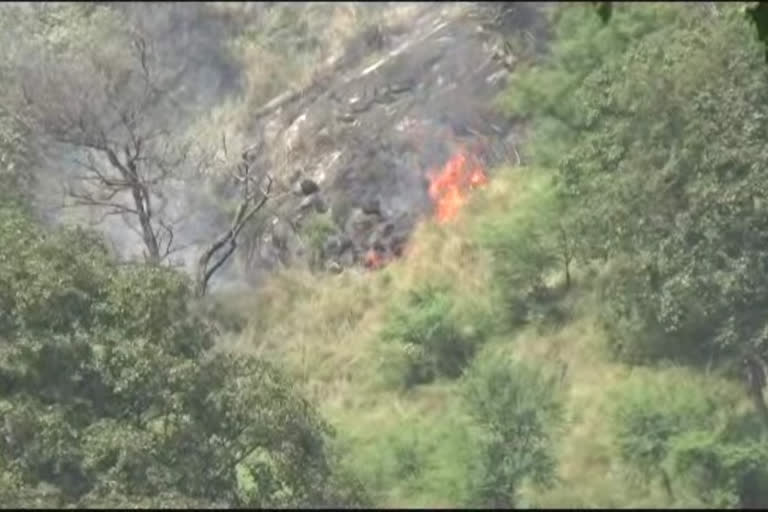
(359, 144)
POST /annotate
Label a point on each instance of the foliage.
(519, 411)
(317, 230)
(650, 412)
(15, 157)
(111, 394)
(427, 458)
(528, 243)
(683, 431)
(432, 334)
(686, 137)
(581, 43)
(756, 12)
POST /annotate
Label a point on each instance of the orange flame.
(373, 259)
(448, 188)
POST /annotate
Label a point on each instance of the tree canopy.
(111, 393)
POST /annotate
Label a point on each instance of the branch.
(245, 212)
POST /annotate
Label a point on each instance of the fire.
(448, 188)
(373, 259)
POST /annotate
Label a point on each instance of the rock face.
(362, 141)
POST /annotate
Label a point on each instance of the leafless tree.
(109, 110)
(254, 192)
(113, 111)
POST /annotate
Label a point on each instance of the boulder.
(372, 207)
(308, 187)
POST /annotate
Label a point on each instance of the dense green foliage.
(684, 431)
(663, 175)
(688, 140)
(655, 124)
(111, 394)
(434, 339)
(519, 413)
(528, 244)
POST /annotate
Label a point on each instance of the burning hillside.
(449, 190)
(406, 137)
(449, 187)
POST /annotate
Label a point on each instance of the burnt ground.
(368, 135)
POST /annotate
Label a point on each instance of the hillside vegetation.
(588, 331)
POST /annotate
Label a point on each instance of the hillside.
(495, 255)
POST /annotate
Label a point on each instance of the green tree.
(666, 178)
(529, 243)
(686, 432)
(518, 411)
(110, 392)
(434, 334)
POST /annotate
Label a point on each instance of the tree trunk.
(667, 485)
(755, 375)
(148, 234)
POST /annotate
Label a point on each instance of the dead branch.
(251, 201)
(105, 108)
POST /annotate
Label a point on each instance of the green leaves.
(519, 411)
(682, 431)
(110, 394)
(436, 337)
(529, 243)
(604, 10)
(664, 175)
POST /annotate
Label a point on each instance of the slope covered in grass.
(413, 447)
(579, 335)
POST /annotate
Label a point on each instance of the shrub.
(688, 435)
(528, 243)
(518, 411)
(431, 335)
(316, 231)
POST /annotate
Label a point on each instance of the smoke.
(195, 37)
(439, 72)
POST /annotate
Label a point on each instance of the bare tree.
(254, 192)
(109, 110)
(114, 109)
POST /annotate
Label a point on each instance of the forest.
(316, 255)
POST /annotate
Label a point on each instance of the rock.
(332, 246)
(308, 187)
(401, 87)
(389, 228)
(372, 207)
(438, 84)
(346, 244)
(334, 267)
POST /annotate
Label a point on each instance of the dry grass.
(284, 48)
(324, 330)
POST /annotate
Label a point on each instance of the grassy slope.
(412, 449)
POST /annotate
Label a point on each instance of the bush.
(518, 411)
(317, 230)
(420, 461)
(686, 433)
(433, 337)
(528, 243)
